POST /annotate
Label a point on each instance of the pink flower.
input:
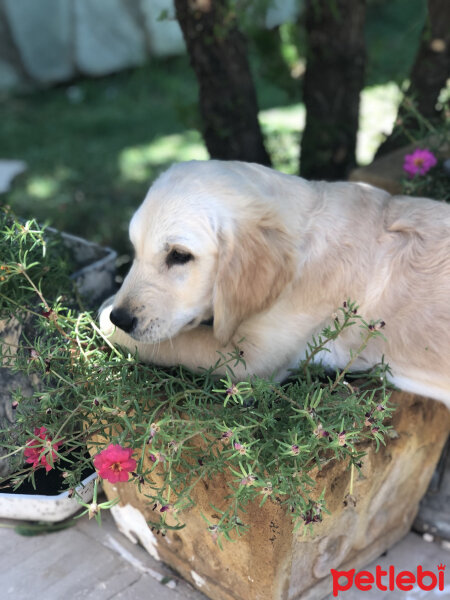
(248, 480)
(158, 457)
(419, 162)
(38, 452)
(114, 463)
(240, 448)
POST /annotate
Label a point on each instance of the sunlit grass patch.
(377, 114)
(139, 163)
(42, 186)
(282, 127)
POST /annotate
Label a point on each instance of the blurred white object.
(164, 33)
(282, 11)
(8, 170)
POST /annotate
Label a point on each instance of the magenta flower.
(158, 457)
(38, 452)
(248, 480)
(419, 162)
(225, 437)
(241, 449)
(114, 463)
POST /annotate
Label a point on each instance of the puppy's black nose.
(123, 319)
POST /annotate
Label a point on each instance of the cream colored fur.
(274, 258)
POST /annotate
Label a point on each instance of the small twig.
(35, 288)
(352, 478)
(100, 332)
(355, 355)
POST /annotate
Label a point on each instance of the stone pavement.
(87, 562)
(84, 562)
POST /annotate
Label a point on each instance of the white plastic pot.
(51, 509)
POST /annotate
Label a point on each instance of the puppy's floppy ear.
(256, 262)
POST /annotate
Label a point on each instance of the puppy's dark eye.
(177, 257)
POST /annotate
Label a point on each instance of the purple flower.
(419, 162)
(158, 457)
(248, 480)
(241, 449)
(231, 391)
(341, 439)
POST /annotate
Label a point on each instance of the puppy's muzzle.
(122, 319)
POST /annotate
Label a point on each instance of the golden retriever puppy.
(268, 258)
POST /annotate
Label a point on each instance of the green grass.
(93, 147)
(86, 170)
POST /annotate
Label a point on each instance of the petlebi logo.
(389, 580)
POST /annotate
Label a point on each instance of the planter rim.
(108, 253)
(37, 507)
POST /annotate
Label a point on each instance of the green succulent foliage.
(28, 251)
(267, 437)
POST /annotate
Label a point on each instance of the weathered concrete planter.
(434, 512)
(270, 561)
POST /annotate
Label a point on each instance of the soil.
(47, 484)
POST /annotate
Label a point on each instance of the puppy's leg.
(195, 349)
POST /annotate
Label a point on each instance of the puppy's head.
(204, 247)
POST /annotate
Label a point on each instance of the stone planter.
(272, 562)
(385, 172)
(434, 512)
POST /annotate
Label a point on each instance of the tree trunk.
(228, 104)
(429, 74)
(333, 80)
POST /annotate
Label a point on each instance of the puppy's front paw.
(115, 335)
(106, 327)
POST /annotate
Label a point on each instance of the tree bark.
(429, 74)
(333, 80)
(227, 97)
